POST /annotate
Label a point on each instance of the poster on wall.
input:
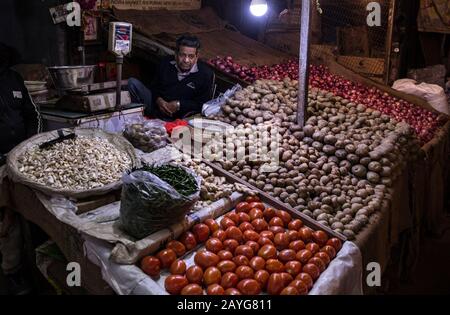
(90, 28)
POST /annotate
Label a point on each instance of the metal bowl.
(71, 77)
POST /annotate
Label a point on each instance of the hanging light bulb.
(258, 7)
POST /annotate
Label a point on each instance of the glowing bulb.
(258, 7)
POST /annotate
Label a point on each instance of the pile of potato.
(337, 169)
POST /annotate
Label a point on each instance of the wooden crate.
(156, 4)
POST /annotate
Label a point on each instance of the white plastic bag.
(432, 93)
(214, 106)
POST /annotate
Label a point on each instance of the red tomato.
(175, 283)
(245, 250)
(201, 232)
(250, 235)
(275, 284)
(151, 266)
(269, 213)
(324, 256)
(318, 262)
(232, 291)
(320, 237)
(313, 248)
(212, 275)
(281, 240)
(234, 233)
(262, 276)
(206, 259)
(230, 245)
(245, 226)
(244, 272)
(284, 216)
(336, 243)
(289, 291)
(249, 287)
(252, 199)
(274, 265)
(305, 234)
(267, 252)
(306, 278)
(212, 225)
(194, 274)
(312, 270)
(243, 207)
(301, 287)
(214, 245)
(192, 289)
(255, 246)
(255, 213)
(166, 257)
(225, 223)
(188, 240)
(233, 216)
(276, 221)
(277, 229)
(286, 255)
(293, 267)
(215, 289)
(241, 260)
(303, 256)
(258, 205)
(293, 235)
(178, 267)
(229, 280)
(264, 241)
(226, 266)
(287, 278)
(267, 234)
(260, 225)
(257, 263)
(177, 247)
(295, 224)
(243, 217)
(220, 234)
(331, 252)
(225, 255)
(297, 245)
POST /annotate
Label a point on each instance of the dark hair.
(188, 41)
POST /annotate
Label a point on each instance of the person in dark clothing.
(18, 121)
(181, 87)
(18, 116)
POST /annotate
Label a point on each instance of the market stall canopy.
(165, 26)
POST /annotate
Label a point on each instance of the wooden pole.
(303, 61)
(388, 50)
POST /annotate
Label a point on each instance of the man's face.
(186, 58)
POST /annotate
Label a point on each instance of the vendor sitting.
(181, 85)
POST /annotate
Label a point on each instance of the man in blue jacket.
(181, 87)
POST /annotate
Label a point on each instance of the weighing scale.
(95, 97)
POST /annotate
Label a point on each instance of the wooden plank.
(364, 65)
(388, 47)
(156, 4)
(353, 41)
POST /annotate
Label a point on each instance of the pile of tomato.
(253, 249)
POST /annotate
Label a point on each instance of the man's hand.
(168, 108)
